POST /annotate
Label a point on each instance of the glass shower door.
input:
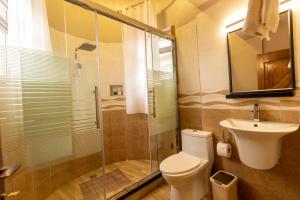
(49, 121)
(162, 98)
(83, 62)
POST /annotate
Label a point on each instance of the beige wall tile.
(275, 183)
(190, 118)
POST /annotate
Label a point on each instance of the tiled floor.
(163, 193)
(118, 176)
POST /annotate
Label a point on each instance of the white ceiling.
(198, 3)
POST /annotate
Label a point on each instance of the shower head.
(87, 47)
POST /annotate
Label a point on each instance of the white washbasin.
(259, 143)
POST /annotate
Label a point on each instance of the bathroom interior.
(149, 99)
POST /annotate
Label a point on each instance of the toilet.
(188, 171)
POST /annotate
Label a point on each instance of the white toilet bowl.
(188, 172)
(187, 175)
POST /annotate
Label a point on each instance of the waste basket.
(224, 186)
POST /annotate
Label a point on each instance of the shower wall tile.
(118, 117)
(137, 136)
(154, 152)
(23, 183)
(125, 136)
(94, 161)
(85, 164)
(108, 157)
(61, 174)
(118, 129)
(107, 134)
(80, 166)
(86, 143)
(43, 190)
(119, 142)
(119, 155)
(166, 144)
(41, 175)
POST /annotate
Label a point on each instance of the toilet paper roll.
(224, 149)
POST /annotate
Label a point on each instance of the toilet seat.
(180, 163)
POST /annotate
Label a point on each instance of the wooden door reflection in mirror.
(274, 70)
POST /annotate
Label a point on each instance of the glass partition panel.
(82, 55)
(124, 104)
(48, 93)
(162, 95)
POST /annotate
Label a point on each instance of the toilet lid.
(179, 163)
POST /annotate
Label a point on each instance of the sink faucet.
(256, 113)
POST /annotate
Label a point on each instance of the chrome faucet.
(256, 113)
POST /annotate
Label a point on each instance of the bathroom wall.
(166, 16)
(189, 76)
(281, 182)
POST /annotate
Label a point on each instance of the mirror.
(261, 68)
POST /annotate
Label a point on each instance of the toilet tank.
(198, 143)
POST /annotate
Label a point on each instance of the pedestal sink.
(258, 143)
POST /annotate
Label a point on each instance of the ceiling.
(198, 3)
(76, 21)
(81, 23)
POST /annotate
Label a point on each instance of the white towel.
(270, 15)
(262, 17)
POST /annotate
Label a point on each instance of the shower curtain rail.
(90, 5)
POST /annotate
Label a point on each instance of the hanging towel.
(270, 15)
(262, 17)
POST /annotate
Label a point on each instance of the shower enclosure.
(88, 101)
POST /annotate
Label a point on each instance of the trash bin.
(224, 186)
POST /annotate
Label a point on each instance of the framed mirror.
(261, 68)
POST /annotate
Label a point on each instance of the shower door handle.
(154, 103)
(97, 107)
(152, 93)
(6, 172)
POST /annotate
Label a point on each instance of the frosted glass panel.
(48, 102)
(47, 106)
(125, 118)
(162, 98)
